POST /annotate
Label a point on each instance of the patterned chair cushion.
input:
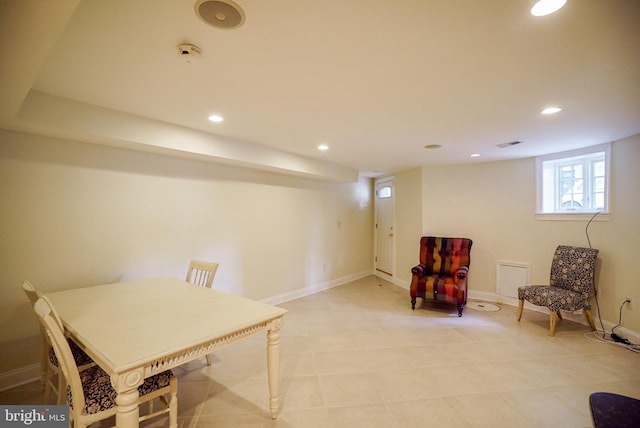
(99, 395)
(79, 355)
(555, 298)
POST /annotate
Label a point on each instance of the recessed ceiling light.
(475, 155)
(323, 147)
(551, 110)
(546, 7)
(216, 118)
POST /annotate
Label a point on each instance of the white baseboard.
(19, 376)
(301, 292)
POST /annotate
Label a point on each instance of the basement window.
(575, 182)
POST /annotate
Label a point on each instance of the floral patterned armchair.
(442, 272)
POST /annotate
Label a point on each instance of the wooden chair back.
(201, 273)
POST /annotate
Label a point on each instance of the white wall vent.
(510, 276)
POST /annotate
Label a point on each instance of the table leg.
(273, 365)
(127, 407)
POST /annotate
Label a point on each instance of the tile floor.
(358, 356)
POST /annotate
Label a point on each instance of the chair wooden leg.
(208, 356)
(47, 387)
(587, 314)
(559, 314)
(552, 323)
(413, 303)
(44, 360)
(173, 403)
(520, 308)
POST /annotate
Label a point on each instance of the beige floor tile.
(231, 420)
(301, 392)
(381, 360)
(340, 362)
(300, 364)
(498, 377)
(350, 389)
(330, 342)
(234, 398)
(487, 411)
(191, 395)
(427, 356)
(303, 418)
(434, 412)
(543, 408)
(370, 416)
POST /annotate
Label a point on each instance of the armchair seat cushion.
(438, 288)
(555, 298)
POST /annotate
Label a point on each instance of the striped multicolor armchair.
(442, 272)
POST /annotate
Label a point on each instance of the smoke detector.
(224, 14)
(188, 52)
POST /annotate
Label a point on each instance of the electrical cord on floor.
(595, 335)
(614, 338)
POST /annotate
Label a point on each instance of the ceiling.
(375, 80)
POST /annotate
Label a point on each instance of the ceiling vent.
(223, 14)
(509, 144)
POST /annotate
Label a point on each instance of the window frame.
(581, 214)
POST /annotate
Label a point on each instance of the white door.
(384, 226)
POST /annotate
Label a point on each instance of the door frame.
(376, 272)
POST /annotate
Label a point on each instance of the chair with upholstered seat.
(89, 393)
(442, 272)
(201, 273)
(571, 285)
(52, 379)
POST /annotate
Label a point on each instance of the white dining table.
(136, 329)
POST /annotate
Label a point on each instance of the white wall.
(76, 214)
(494, 204)
(408, 211)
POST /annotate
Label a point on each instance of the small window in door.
(384, 192)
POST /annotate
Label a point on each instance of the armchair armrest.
(461, 275)
(419, 270)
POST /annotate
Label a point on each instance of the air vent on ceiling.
(509, 144)
(223, 14)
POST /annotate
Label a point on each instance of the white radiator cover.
(510, 276)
